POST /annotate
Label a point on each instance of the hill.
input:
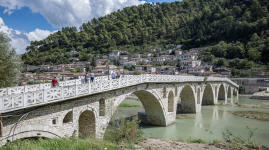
(230, 28)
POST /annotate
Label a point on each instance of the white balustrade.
(31, 95)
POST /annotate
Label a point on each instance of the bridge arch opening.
(208, 96)
(144, 105)
(171, 101)
(222, 93)
(68, 118)
(234, 92)
(187, 100)
(86, 124)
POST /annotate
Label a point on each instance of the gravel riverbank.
(158, 144)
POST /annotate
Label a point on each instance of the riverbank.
(158, 144)
(263, 95)
(93, 144)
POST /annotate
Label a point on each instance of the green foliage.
(229, 137)
(9, 63)
(195, 140)
(127, 132)
(60, 144)
(233, 28)
(220, 63)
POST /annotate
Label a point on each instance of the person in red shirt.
(54, 82)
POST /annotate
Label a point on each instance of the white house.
(186, 64)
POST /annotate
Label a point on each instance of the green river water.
(209, 124)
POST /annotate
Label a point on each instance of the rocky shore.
(263, 95)
(158, 144)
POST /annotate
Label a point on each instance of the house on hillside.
(145, 68)
(186, 64)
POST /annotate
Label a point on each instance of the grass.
(128, 105)
(253, 115)
(123, 136)
(60, 144)
(235, 140)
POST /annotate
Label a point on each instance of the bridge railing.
(34, 95)
(37, 87)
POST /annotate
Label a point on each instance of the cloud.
(62, 13)
(20, 40)
(38, 34)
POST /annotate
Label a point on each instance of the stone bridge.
(85, 109)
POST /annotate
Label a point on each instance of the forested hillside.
(231, 28)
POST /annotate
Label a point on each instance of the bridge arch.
(221, 93)
(68, 118)
(31, 134)
(187, 97)
(153, 106)
(171, 101)
(86, 124)
(208, 96)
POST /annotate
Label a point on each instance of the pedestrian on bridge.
(92, 76)
(113, 75)
(86, 78)
(54, 82)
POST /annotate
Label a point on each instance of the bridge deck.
(21, 97)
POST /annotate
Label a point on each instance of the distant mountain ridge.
(242, 27)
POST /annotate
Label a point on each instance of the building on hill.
(104, 69)
(171, 70)
(223, 71)
(147, 55)
(129, 63)
(195, 50)
(101, 61)
(186, 64)
(145, 68)
(178, 53)
(187, 56)
(198, 70)
(114, 54)
(123, 59)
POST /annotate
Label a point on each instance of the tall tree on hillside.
(9, 63)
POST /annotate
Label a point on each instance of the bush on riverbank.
(127, 132)
(235, 140)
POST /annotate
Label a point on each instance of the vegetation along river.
(210, 124)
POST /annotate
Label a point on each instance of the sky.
(30, 20)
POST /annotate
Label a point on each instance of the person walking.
(54, 82)
(113, 75)
(92, 76)
(86, 78)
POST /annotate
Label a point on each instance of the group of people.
(86, 77)
(114, 75)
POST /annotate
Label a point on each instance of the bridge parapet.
(21, 97)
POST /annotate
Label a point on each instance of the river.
(209, 124)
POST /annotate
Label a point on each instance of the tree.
(9, 63)
(220, 62)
